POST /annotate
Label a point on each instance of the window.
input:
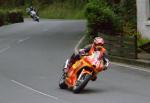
(148, 9)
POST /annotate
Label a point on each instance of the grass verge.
(61, 11)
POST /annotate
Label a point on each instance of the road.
(31, 59)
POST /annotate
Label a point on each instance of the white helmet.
(99, 41)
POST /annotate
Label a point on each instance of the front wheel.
(62, 83)
(80, 84)
(37, 19)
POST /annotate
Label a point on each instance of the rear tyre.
(81, 83)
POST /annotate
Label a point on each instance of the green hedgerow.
(101, 18)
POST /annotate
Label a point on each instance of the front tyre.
(62, 83)
(37, 20)
(80, 84)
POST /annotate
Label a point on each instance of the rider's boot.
(94, 78)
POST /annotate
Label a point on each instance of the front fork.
(84, 72)
(65, 67)
(66, 64)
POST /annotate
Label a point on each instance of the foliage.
(75, 3)
(129, 10)
(141, 40)
(13, 16)
(61, 11)
(109, 16)
(1, 19)
(3, 15)
(68, 9)
(102, 18)
(129, 28)
(12, 2)
(126, 9)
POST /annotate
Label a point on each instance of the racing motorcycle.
(81, 72)
(33, 15)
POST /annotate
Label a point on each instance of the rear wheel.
(80, 84)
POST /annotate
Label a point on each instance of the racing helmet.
(98, 42)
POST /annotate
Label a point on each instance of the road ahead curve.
(31, 59)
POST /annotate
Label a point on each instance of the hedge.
(101, 18)
(2, 17)
(14, 16)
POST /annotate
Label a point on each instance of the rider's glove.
(81, 52)
(105, 67)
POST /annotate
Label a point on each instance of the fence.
(122, 46)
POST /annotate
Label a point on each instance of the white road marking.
(4, 49)
(27, 87)
(132, 67)
(22, 40)
(77, 46)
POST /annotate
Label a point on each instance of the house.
(143, 17)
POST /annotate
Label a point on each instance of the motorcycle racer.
(97, 45)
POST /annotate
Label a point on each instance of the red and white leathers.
(96, 46)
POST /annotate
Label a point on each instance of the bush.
(15, 16)
(101, 18)
(129, 29)
(129, 11)
(141, 40)
(3, 17)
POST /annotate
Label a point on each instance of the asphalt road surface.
(31, 59)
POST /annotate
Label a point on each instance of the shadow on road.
(92, 91)
(88, 91)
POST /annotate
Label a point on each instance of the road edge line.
(36, 91)
(119, 64)
(78, 44)
(132, 67)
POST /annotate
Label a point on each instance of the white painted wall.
(143, 13)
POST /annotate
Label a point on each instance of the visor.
(97, 48)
